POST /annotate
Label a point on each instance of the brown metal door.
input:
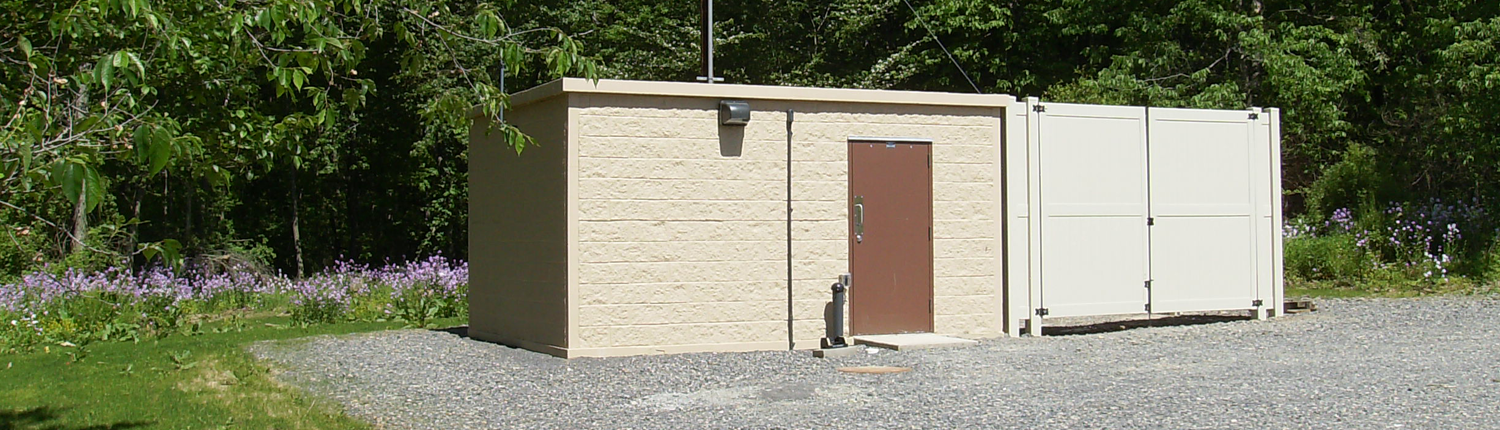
(890, 237)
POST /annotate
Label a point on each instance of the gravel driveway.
(1406, 363)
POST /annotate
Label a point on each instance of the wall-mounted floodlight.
(734, 112)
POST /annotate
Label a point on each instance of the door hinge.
(1038, 108)
(930, 310)
(1254, 115)
(929, 234)
(1148, 308)
(929, 160)
(1150, 221)
(1041, 312)
(1257, 303)
(1148, 284)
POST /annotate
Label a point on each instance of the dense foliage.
(1386, 104)
(290, 131)
(301, 132)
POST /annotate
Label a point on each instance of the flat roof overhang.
(755, 92)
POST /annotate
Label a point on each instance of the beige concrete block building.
(640, 224)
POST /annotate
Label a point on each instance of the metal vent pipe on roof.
(707, 44)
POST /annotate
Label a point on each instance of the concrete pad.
(910, 341)
(837, 352)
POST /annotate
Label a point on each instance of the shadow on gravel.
(460, 331)
(1114, 326)
(1059, 330)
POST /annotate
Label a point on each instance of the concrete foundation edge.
(623, 351)
(552, 350)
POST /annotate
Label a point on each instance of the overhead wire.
(940, 45)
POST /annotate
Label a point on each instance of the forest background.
(292, 136)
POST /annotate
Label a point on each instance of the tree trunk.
(135, 217)
(296, 224)
(80, 207)
(80, 218)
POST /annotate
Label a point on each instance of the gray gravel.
(1413, 363)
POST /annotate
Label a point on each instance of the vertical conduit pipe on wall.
(791, 336)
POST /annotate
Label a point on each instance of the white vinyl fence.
(1126, 210)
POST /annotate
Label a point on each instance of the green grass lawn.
(200, 381)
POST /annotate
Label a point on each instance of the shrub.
(1334, 258)
(415, 292)
(78, 306)
(1356, 182)
(428, 289)
(325, 298)
(1404, 247)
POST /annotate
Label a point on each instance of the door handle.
(859, 219)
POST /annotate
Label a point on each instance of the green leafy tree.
(130, 98)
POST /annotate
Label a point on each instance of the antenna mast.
(707, 44)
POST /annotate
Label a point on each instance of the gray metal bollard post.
(835, 338)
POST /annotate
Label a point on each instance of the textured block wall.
(681, 222)
(518, 229)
